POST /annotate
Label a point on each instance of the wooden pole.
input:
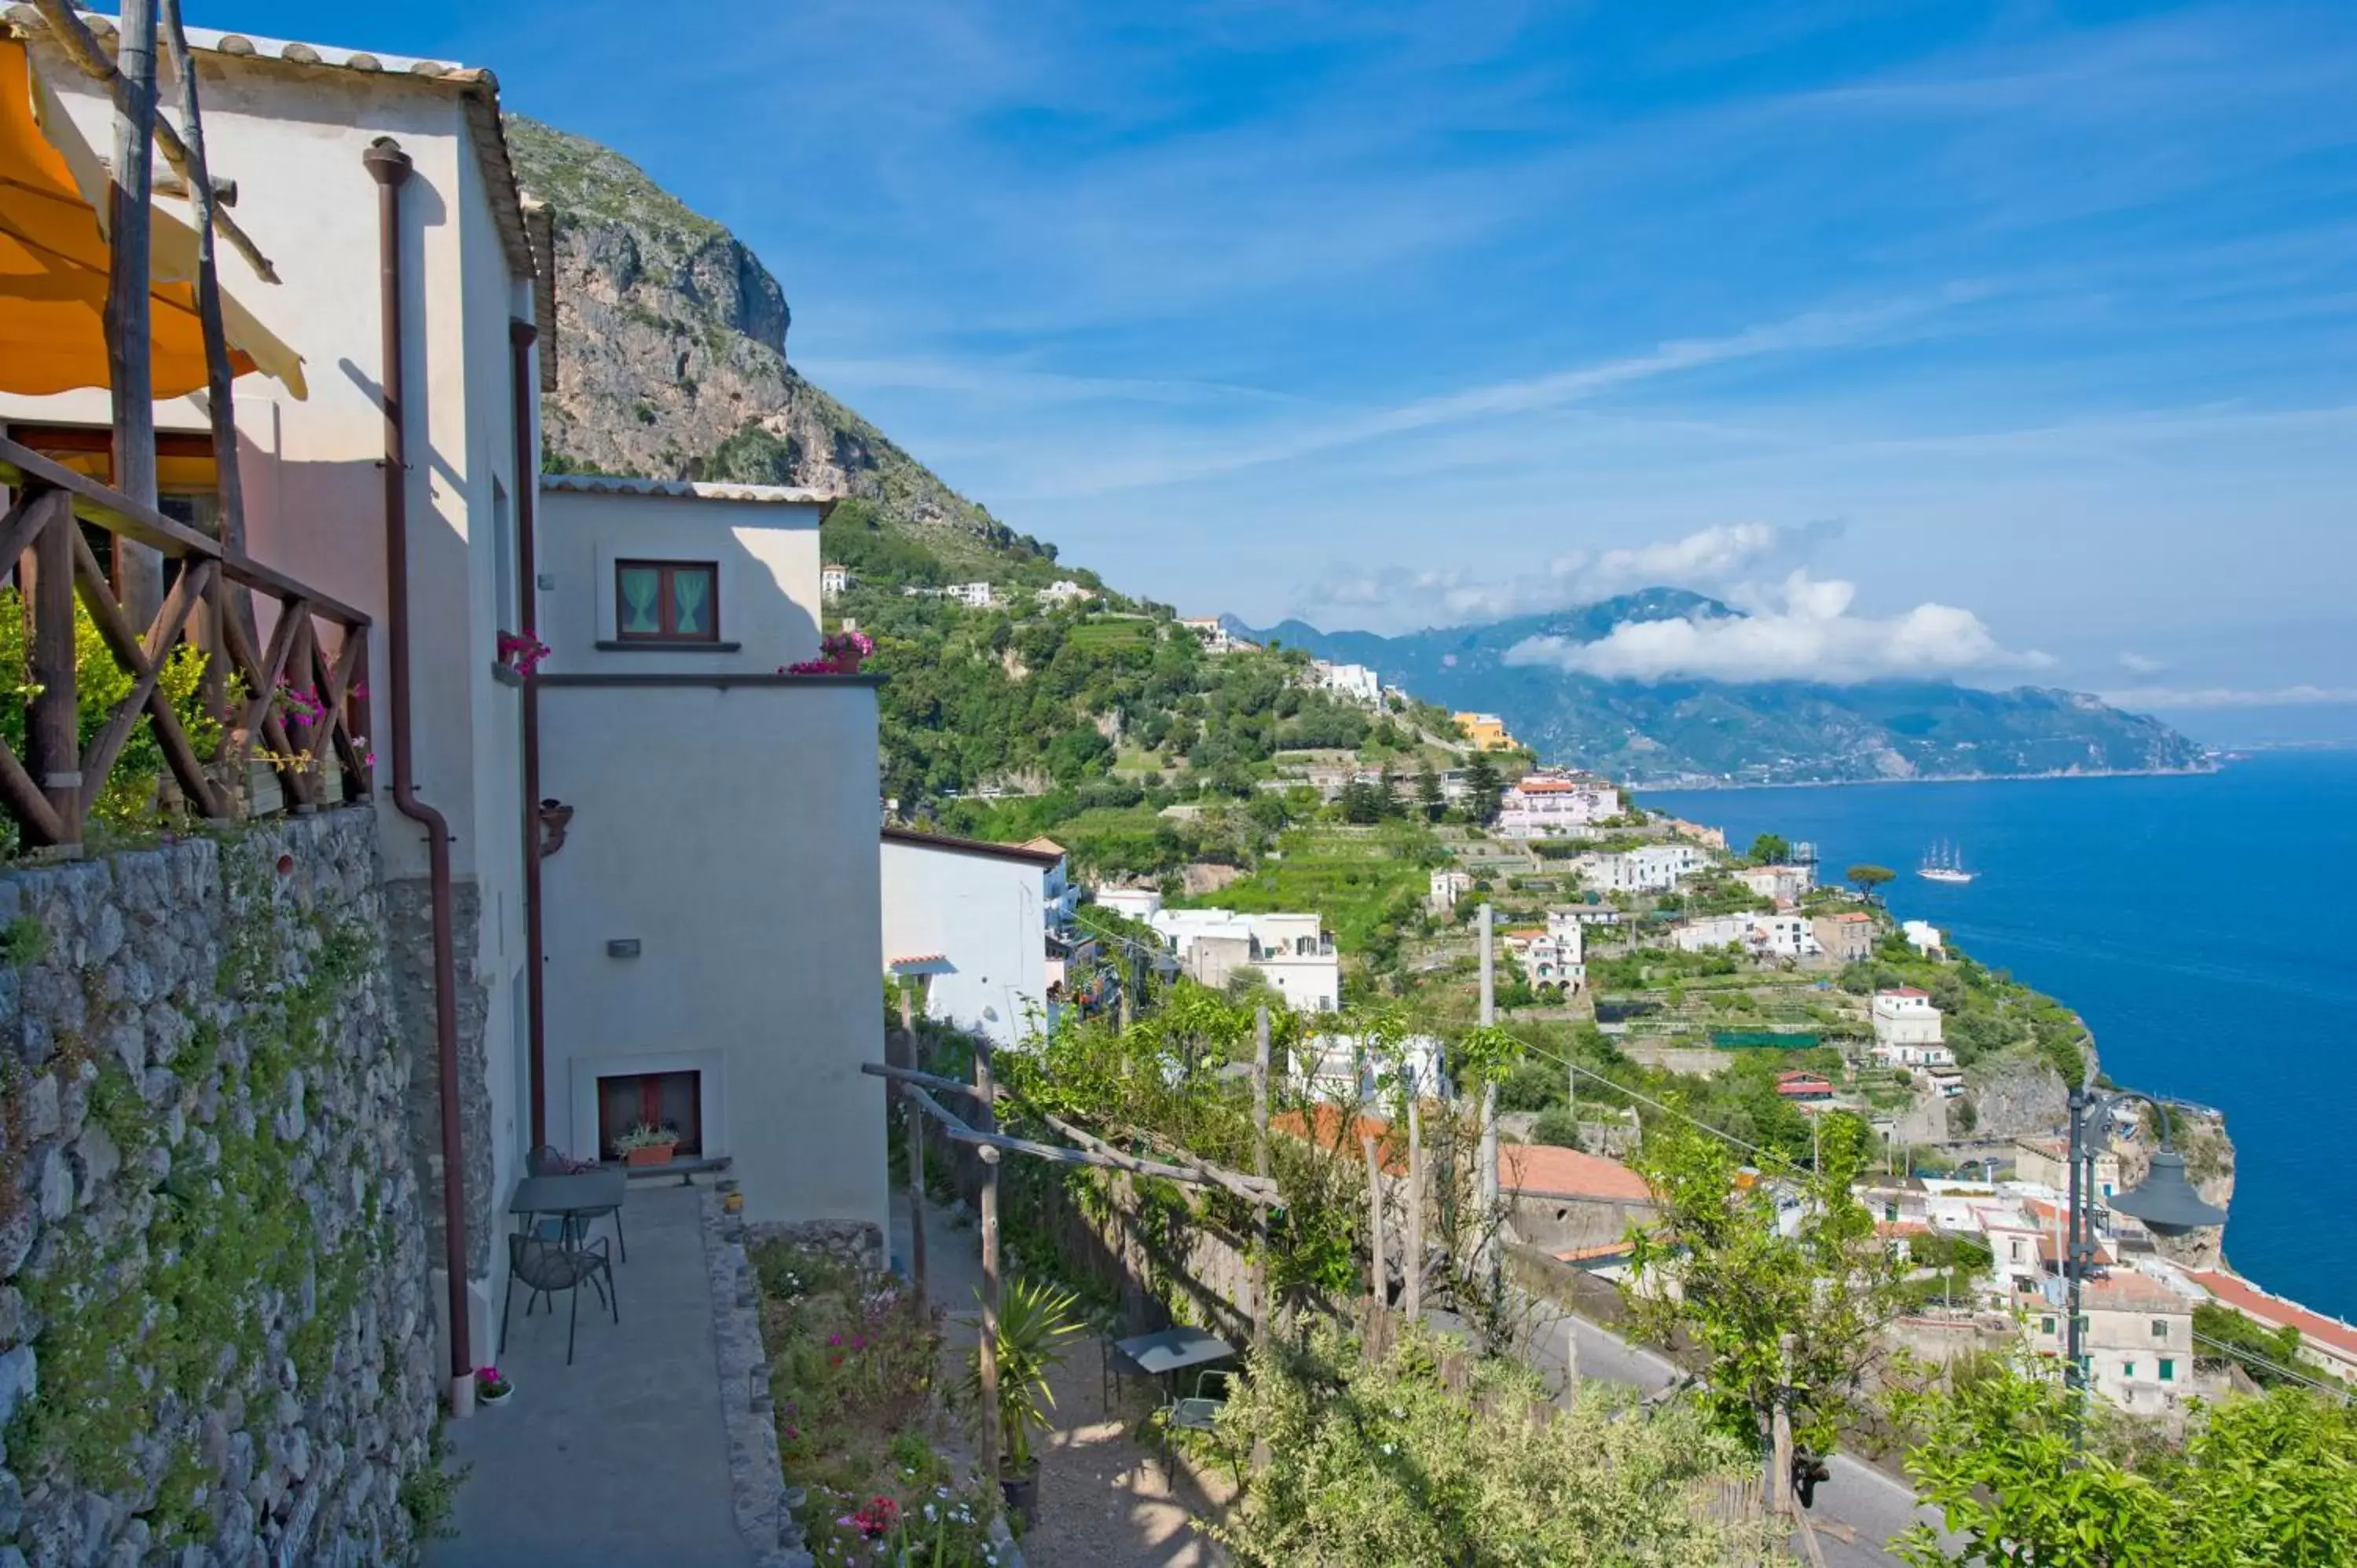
(1780, 1447)
(1379, 1279)
(53, 718)
(914, 1133)
(1260, 1304)
(221, 406)
(986, 1116)
(1413, 1262)
(138, 570)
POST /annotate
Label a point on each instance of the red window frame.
(666, 606)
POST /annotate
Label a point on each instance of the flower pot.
(656, 1155)
(1019, 1490)
(483, 1395)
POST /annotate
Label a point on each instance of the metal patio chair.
(549, 1160)
(547, 1267)
(1200, 1411)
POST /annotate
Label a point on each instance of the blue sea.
(2203, 927)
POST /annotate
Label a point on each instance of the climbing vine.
(143, 1328)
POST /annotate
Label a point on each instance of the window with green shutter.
(2168, 1371)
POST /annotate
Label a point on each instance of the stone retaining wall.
(215, 1338)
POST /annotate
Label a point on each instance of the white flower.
(1387, 1447)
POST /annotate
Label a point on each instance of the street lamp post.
(2165, 1200)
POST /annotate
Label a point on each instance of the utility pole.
(1262, 1309)
(1486, 1183)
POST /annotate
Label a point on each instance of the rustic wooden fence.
(298, 703)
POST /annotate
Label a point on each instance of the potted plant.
(647, 1145)
(1037, 1322)
(490, 1387)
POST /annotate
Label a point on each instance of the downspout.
(520, 337)
(389, 167)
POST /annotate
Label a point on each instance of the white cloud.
(1811, 638)
(2137, 664)
(1722, 559)
(2190, 697)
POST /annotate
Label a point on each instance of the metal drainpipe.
(389, 167)
(520, 337)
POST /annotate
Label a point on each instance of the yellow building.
(1486, 731)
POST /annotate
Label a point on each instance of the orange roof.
(1902, 1227)
(2127, 1290)
(1850, 915)
(1543, 1168)
(2252, 1302)
(1601, 1250)
(1327, 1121)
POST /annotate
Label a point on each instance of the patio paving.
(622, 1458)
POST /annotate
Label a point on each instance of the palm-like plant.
(1037, 1322)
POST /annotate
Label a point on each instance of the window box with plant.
(647, 1145)
(491, 1386)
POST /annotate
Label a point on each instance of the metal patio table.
(571, 1198)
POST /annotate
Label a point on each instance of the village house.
(1346, 1069)
(1216, 637)
(1291, 951)
(1925, 938)
(1784, 884)
(1948, 1083)
(2329, 1344)
(1562, 1200)
(2046, 1163)
(1351, 682)
(1648, 868)
(1486, 731)
(1552, 954)
(833, 580)
(1805, 1086)
(575, 971)
(1847, 937)
(972, 925)
(1549, 802)
(1064, 591)
(2137, 1342)
(1904, 1016)
(1141, 904)
(1447, 887)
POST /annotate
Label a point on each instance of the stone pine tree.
(1429, 797)
(1482, 787)
(1868, 878)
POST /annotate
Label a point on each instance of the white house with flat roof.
(967, 922)
(1292, 952)
(1648, 868)
(1904, 1016)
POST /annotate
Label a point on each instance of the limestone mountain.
(671, 360)
(1749, 732)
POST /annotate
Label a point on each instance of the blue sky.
(1401, 315)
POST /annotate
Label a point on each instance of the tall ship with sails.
(1942, 864)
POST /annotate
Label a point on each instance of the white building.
(1913, 1056)
(2139, 1342)
(1447, 887)
(832, 579)
(664, 978)
(1216, 637)
(1552, 954)
(1130, 903)
(1064, 591)
(1292, 952)
(1762, 936)
(1351, 682)
(972, 596)
(1648, 868)
(1784, 884)
(1925, 938)
(1905, 1016)
(968, 921)
(1549, 802)
(1346, 1069)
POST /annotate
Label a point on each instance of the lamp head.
(2165, 1201)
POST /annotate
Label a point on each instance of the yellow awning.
(53, 264)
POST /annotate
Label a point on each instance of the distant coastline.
(1713, 783)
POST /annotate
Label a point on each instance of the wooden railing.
(298, 703)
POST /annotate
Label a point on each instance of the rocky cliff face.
(671, 355)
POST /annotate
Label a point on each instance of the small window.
(2127, 1369)
(666, 601)
(2168, 1371)
(2046, 1326)
(2160, 1329)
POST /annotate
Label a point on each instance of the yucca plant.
(1037, 1322)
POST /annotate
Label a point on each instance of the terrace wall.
(216, 1343)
